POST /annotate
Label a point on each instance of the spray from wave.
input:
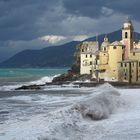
(41, 81)
(101, 105)
(73, 122)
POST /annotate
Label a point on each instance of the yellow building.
(129, 71)
(129, 68)
(87, 56)
(117, 61)
(107, 66)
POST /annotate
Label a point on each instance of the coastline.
(78, 85)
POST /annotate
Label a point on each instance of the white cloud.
(106, 11)
(53, 38)
(80, 37)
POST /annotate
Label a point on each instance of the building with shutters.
(116, 61)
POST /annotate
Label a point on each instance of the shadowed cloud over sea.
(23, 22)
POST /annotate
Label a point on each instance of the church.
(116, 61)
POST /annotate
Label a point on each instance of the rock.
(35, 87)
(71, 77)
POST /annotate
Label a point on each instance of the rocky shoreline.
(76, 81)
(61, 80)
(78, 84)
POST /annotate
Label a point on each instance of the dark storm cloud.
(90, 8)
(99, 8)
(19, 18)
(30, 19)
(22, 22)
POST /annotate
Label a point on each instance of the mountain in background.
(54, 56)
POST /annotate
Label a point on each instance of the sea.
(65, 112)
(11, 78)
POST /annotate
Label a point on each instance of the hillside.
(55, 56)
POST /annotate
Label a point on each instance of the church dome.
(106, 42)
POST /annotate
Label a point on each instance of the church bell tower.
(127, 36)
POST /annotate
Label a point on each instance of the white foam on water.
(101, 104)
(20, 98)
(9, 87)
(105, 114)
(41, 81)
(77, 120)
(73, 122)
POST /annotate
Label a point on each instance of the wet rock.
(30, 87)
(71, 77)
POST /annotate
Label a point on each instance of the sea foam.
(41, 81)
(71, 122)
(99, 105)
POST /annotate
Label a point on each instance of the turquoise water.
(16, 76)
(30, 72)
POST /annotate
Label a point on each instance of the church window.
(96, 62)
(82, 50)
(131, 35)
(91, 55)
(86, 55)
(137, 78)
(132, 64)
(126, 35)
(90, 71)
(90, 62)
(114, 47)
(122, 56)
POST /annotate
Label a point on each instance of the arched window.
(131, 35)
(126, 34)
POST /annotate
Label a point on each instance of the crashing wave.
(41, 81)
(71, 122)
(101, 105)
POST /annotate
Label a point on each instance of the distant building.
(87, 56)
(116, 61)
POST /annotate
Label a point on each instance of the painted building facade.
(116, 61)
(87, 57)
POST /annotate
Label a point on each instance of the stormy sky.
(34, 24)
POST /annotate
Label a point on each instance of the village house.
(116, 61)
